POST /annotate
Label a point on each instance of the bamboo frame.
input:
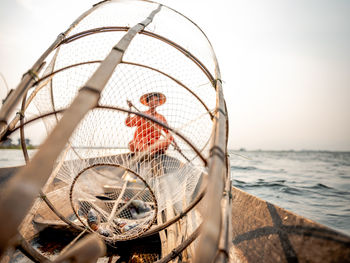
(147, 33)
(90, 93)
(208, 246)
(134, 64)
(22, 188)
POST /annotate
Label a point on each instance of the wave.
(253, 168)
(319, 186)
(233, 167)
(271, 186)
(260, 183)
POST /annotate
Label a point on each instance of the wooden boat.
(84, 197)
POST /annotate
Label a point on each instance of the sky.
(285, 64)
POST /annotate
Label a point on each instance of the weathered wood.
(263, 232)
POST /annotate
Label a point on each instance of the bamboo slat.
(226, 233)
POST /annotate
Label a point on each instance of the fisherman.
(148, 134)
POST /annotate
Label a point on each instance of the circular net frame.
(113, 201)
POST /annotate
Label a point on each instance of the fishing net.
(114, 201)
(115, 190)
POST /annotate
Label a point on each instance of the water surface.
(309, 183)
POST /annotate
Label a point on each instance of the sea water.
(314, 184)
(309, 183)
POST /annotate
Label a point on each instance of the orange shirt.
(147, 132)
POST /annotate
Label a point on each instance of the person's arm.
(168, 136)
(163, 143)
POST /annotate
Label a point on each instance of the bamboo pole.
(212, 221)
(22, 189)
(226, 233)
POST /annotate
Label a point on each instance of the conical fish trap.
(99, 171)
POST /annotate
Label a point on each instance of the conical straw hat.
(144, 98)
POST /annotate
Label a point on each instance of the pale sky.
(285, 64)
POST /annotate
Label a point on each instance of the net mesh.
(121, 178)
(113, 201)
